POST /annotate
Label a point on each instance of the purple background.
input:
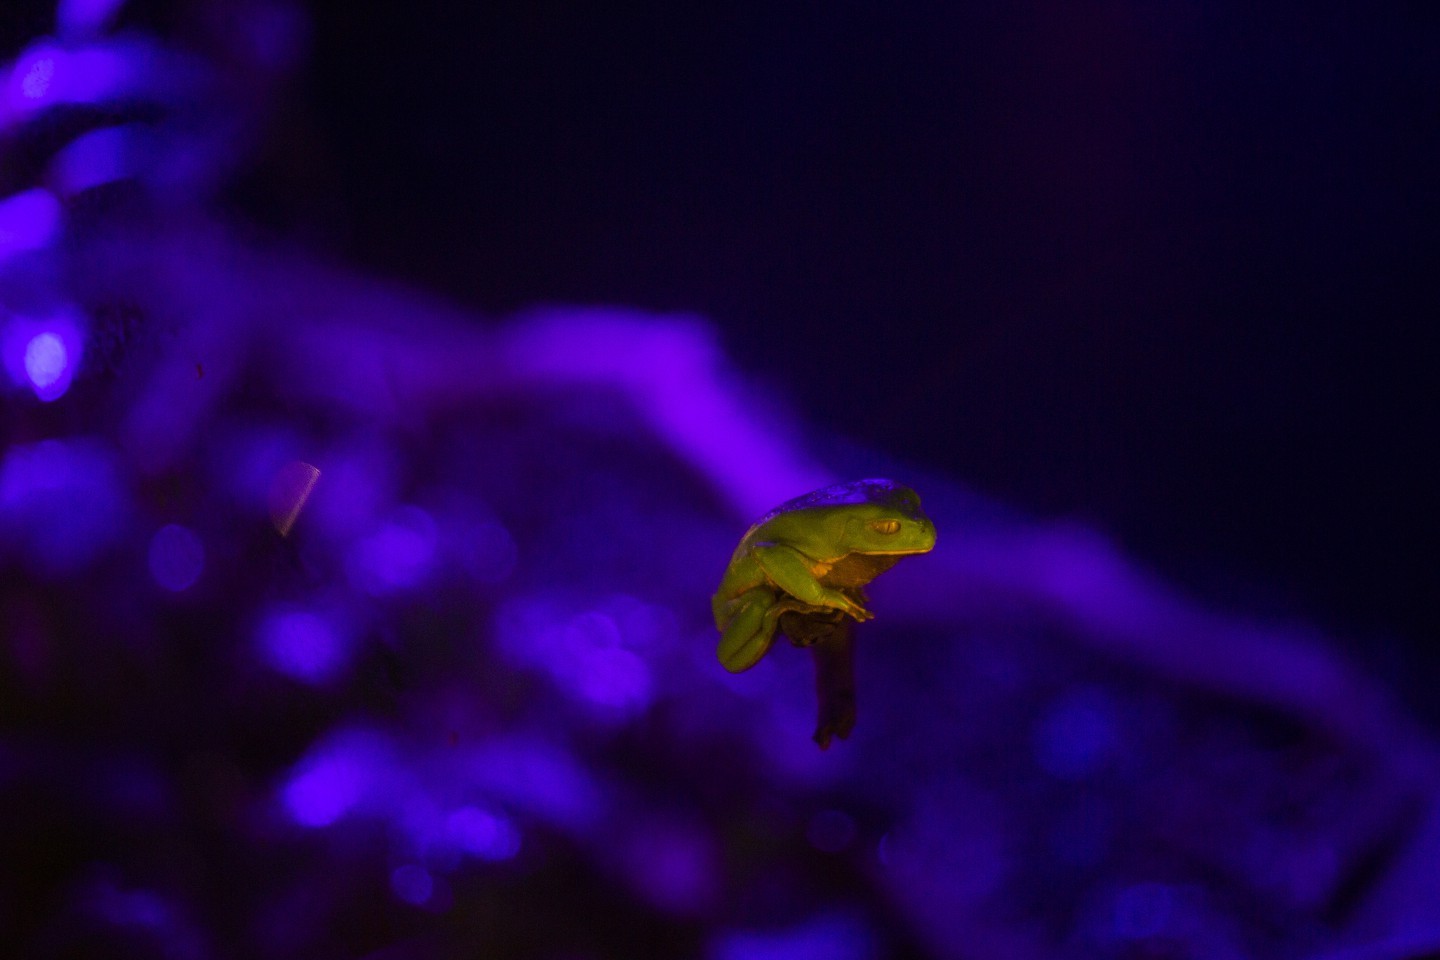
(1140, 301)
(1165, 268)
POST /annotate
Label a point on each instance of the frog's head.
(890, 522)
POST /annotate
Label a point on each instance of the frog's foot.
(748, 635)
(860, 613)
(807, 626)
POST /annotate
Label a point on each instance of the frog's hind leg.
(749, 633)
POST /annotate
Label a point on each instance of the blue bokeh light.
(671, 862)
(1078, 735)
(176, 557)
(45, 360)
(61, 503)
(46, 74)
(303, 645)
(483, 834)
(28, 221)
(592, 654)
(330, 781)
(412, 883)
(397, 556)
(100, 157)
(43, 354)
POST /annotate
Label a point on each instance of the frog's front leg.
(796, 574)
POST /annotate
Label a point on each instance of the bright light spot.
(176, 557)
(45, 360)
(302, 645)
(482, 834)
(327, 786)
(36, 82)
(412, 883)
(830, 830)
(41, 354)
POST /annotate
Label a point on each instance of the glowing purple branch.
(1082, 580)
(176, 557)
(335, 340)
(97, 158)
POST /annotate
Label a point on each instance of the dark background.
(1171, 271)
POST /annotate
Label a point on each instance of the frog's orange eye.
(885, 526)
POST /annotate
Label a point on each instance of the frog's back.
(874, 490)
(877, 490)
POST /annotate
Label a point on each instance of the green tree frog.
(801, 570)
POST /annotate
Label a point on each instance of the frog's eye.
(885, 526)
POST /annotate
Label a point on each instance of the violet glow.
(482, 833)
(176, 557)
(412, 883)
(28, 221)
(335, 778)
(827, 937)
(303, 645)
(48, 74)
(42, 354)
(584, 652)
(1077, 735)
(555, 689)
(61, 503)
(399, 555)
(435, 807)
(46, 361)
(81, 18)
(100, 157)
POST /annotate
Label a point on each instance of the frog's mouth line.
(897, 553)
